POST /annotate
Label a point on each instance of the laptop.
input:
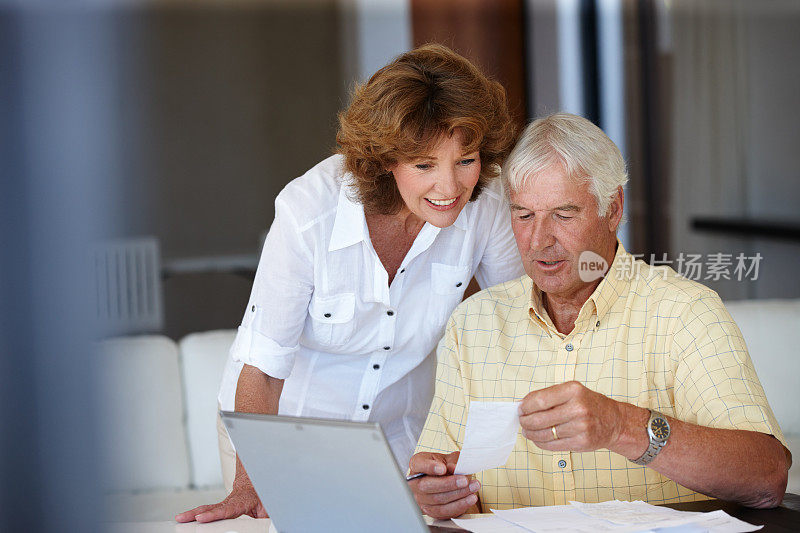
(316, 475)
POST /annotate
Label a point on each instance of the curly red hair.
(409, 105)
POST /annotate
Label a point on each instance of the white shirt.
(323, 316)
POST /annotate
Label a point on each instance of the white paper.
(685, 528)
(560, 519)
(634, 513)
(618, 517)
(491, 433)
(664, 519)
(488, 524)
(715, 522)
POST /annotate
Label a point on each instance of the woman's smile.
(443, 205)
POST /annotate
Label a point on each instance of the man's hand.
(242, 500)
(584, 420)
(441, 494)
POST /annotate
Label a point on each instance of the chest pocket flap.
(449, 279)
(336, 309)
(332, 320)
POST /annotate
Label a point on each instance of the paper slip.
(491, 433)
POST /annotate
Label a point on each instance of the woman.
(369, 253)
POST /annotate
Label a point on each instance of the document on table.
(558, 519)
(488, 524)
(634, 513)
(619, 517)
(655, 517)
(716, 522)
(490, 436)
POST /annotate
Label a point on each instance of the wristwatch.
(658, 430)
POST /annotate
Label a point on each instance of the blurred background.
(142, 144)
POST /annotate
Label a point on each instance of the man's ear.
(615, 210)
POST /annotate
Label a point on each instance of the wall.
(737, 121)
(223, 104)
(773, 163)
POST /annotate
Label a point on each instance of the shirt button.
(366, 407)
(402, 270)
(390, 313)
(561, 464)
(327, 315)
(376, 366)
(253, 309)
(387, 347)
(459, 284)
(569, 347)
(597, 325)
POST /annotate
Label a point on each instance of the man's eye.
(465, 162)
(525, 217)
(562, 217)
(423, 166)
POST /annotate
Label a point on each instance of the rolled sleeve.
(252, 348)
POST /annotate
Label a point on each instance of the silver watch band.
(655, 445)
(650, 453)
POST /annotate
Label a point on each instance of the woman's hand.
(242, 500)
(256, 392)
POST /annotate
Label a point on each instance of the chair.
(766, 326)
(203, 357)
(143, 444)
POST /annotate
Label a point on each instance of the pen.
(415, 476)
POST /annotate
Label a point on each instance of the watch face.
(660, 428)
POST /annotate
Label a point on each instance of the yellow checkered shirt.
(646, 336)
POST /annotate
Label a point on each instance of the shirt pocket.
(333, 318)
(448, 283)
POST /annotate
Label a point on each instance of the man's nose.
(542, 236)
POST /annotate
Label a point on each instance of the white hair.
(573, 142)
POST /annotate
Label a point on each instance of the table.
(785, 518)
(237, 525)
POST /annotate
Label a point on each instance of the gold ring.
(555, 435)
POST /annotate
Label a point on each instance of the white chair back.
(767, 326)
(203, 358)
(141, 407)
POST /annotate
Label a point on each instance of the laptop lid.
(324, 475)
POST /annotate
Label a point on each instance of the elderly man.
(635, 383)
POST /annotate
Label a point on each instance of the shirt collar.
(613, 285)
(350, 225)
(462, 221)
(537, 310)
